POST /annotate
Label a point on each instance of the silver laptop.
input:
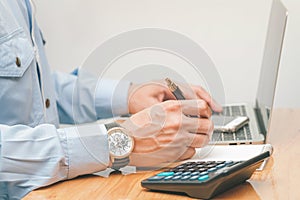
(254, 132)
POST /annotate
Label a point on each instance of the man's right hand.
(165, 133)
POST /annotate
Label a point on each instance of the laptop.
(254, 132)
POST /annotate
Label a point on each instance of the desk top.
(279, 179)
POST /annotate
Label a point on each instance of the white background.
(232, 32)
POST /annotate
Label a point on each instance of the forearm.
(84, 98)
(35, 157)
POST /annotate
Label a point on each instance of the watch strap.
(111, 125)
(117, 162)
(120, 162)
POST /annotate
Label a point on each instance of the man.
(34, 152)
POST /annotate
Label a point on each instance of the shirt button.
(18, 61)
(47, 103)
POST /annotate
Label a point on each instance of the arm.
(35, 157)
(84, 98)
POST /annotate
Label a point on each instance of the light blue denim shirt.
(34, 152)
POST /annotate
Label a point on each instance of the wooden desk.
(279, 180)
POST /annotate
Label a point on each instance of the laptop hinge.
(260, 122)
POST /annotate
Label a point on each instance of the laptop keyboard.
(233, 111)
(241, 134)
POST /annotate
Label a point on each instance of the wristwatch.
(120, 145)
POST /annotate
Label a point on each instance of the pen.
(175, 89)
(176, 92)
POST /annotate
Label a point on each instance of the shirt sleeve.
(84, 98)
(35, 157)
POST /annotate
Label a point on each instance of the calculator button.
(165, 174)
(220, 166)
(228, 162)
(156, 178)
(168, 178)
(211, 165)
(203, 173)
(202, 169)
(203, 178)
(212, 169)
(176, 177)
(185, 178)
(180, 166)
(210, 162)
(192, 178)
(186, 173)
(195, 173)
(177, 173)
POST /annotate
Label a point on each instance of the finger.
(196, 108)
(168, 95)
(190, 152)
(198, 125)
(193, 92)
(199, 131)
(141, 96)
(203, 94)
(164, 90)
(196, 140)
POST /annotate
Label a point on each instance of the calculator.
(204, 179)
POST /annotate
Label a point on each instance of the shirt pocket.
(16, 54)
(20, 99)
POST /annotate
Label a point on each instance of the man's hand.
(142, 96)
(164, 133)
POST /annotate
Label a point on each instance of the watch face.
(120, 144)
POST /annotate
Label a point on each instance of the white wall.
(232, 32)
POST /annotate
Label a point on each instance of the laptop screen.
(270, 63)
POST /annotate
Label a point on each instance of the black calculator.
(204, 179)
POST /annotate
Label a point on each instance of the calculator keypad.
(192, 171)
(204, 180)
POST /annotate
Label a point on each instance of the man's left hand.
(144, 95)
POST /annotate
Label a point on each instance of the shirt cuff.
(87, 149)
(111, 98)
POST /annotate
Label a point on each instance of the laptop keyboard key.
(240, 135)
(228, 136)
(216, 136)
(247, 131)
(226, 111)
(243, 109)
(236, 111)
